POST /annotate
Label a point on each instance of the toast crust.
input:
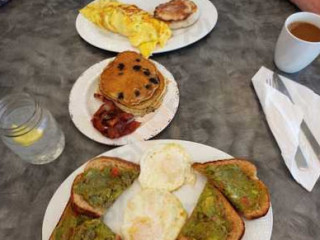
(63, 215)
(80, 205)
(77, 201)
(67, 212)
(103, 161)
(251, 171)
(238, 227)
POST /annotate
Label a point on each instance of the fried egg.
(153, 215)
(166, 167)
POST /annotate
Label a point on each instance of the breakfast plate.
(83, 105)
(181, 38)
(260, 228)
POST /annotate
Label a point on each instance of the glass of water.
(29, 130)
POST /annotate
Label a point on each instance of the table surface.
(41, 53)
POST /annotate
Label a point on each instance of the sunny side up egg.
(153, 214)
(166, 167)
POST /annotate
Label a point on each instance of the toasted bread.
(72, 224)
(94, 227)
(212, 218)
(133, 83)
(177, 13)
(108, 178)
(67, 224)
(237, 180)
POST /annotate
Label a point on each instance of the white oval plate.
(181, 38)
(255, 229)
(82, 106)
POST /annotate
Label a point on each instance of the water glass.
(30, 130)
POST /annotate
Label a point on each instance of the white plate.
(82, 106)
(259, 229)
(183, 37)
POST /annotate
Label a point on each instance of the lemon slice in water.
(29, 138)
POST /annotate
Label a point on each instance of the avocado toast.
(94, 229)
(67, 224)
(212, 218)
(237, 180)
(101, 183)
(104, 179)
(75, 226)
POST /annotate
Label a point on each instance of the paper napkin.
(284, 119)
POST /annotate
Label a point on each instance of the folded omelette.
(143, 31)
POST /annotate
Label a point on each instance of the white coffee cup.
(293, 54)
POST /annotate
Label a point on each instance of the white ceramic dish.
(255, 229)
(181, 38)
(82, 106)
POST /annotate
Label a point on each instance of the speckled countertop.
(41, 53)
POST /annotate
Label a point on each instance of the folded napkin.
(284, 119)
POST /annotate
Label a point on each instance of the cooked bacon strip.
(111, 121)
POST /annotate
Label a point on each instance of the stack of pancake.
(133, 83)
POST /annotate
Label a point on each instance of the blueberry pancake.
(133, 83)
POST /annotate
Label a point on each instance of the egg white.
(153, 215)
(166, 167)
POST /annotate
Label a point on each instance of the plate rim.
(214, 16)
(173, 85)
(157, 141)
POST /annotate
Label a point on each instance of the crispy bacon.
(111, 121)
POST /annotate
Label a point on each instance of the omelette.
(142, 30)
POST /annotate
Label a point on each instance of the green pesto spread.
(208, 220)
(67, 224)
(93, 230)
(243, 193)
(100, 188)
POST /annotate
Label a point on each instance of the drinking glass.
(30, 130)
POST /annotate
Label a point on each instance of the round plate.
(82, 106)
(182, 37)
(254, 229)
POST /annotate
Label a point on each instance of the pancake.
(133, 83)
(140, 111)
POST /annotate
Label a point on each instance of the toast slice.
(104, 179)
(67, 224)
(72, 226)
(94, 229)
(237, 180)
(212, 218)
